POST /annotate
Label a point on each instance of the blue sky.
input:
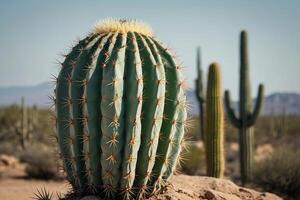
(34, 32)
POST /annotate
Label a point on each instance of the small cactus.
(247, 116)
(121, 112)
(43, 194)
(214, 137)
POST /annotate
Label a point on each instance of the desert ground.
(14, 184)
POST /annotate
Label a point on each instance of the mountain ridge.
(275, 103)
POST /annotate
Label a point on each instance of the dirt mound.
(206, 188)
(199, 187)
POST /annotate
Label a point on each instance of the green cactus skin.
(121, 115)
(247, 117)
(214, 139)
(199, 92)
(175, 115)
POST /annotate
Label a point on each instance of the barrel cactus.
(121, 112)
(214, 137)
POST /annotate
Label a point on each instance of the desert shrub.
(193, 159)
(40, 128)
(265, 130)
(43, 194)
(7, 148)
(280, 173)
(231, 132)
(41, 164)
(9, 117)
(193, 132)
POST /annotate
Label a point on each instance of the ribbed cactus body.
(214, 137)
(120, 113)
(247, 116)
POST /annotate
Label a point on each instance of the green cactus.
(200, 93)
(278, 123)
(26, 125)
(247, 116)
(121, 112)
(214, 138)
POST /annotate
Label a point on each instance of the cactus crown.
(122, 26)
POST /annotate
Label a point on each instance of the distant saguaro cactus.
(200, 92)
(247, 116)
(121, 112)
(278, 123)
(214, 136)
(26, 125)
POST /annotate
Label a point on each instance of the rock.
(263, 152)
(206, 188)
(89, 198)
(8, 161)
(185, 187)
(234, 146)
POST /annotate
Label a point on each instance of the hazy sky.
(34, 32)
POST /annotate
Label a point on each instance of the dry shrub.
(193, 159)
(280, 173)
(40, 164)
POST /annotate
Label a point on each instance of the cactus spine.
(118, 121)
(247, 117)
(199, 92)
(214, 139)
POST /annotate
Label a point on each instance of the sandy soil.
(13, 186)
(12, 189)
(184, 188)
(207, 188)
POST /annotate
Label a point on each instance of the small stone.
(209, 195)
(90, 198)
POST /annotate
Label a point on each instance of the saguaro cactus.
(278, 123)
(199, 92)
(121, 111)
(24, 124)
(27, 124)
(214, 139)
(247, 117)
